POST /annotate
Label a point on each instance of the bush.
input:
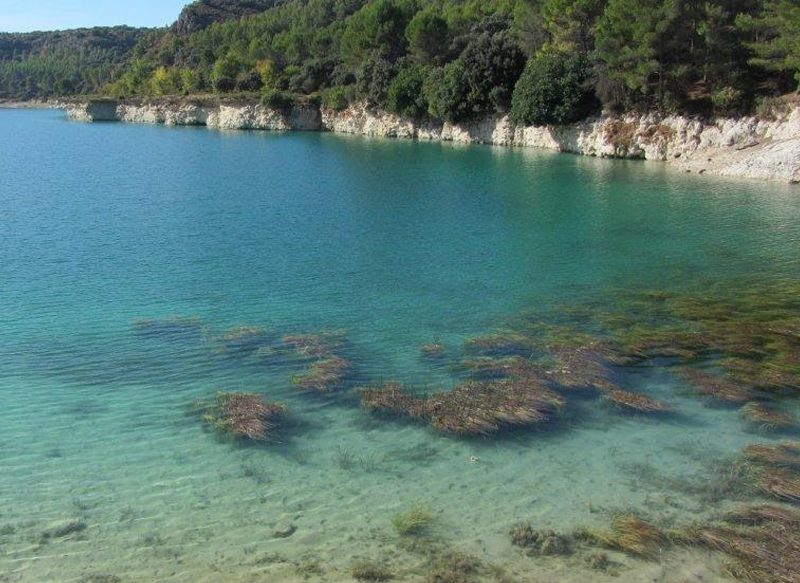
(374, 78)
(250, 82)
(553, 89)
(337, 98)
(224, 85)
(276, 99)
(493, 62)
(405, 95)
(447, 93)
(728, 101)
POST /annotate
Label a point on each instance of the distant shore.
(757, 148)
(33, 104)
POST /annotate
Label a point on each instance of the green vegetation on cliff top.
(545, 61)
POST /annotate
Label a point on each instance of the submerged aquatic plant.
(630, 534)
(414, 521)
(635, 401)
(502, 343)
(243, 416)
(779, 483)
(766, 418)
(540, 542)
(782, 455)
(316, 345)
(717, 388)
(474, 408)
(170, 328)
(368, 571)
(243, 339)
(432, 350)
(393, 400)
(762, 543)
(324, 375)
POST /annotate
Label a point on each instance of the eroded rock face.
(745, 147)
(203, 13)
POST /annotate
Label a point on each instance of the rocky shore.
(748, 147)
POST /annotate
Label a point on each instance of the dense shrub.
(374, 79)
(553, 89)
(405, 95)
(447, 93)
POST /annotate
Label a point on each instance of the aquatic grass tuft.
(324, 376)
(629, 401)
(539, 542)
(243, 416)
(369, 571)
(414, 521)
(766, 418)
(632, 535)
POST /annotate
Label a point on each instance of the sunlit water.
(397, 243)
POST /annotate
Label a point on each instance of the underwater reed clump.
(170, 328)
(782, 455)
(779, 483)
(368, 571)
(717, 388)
(317, 345)
(474, 408)
(630, 534)
(243, 416)
(762, 542)
(432, 350)
(453, 567)
(503, 343)
(539, 542)
(393, 400)
(489, 368)
(766, 418)
(635, 401)
(324, 375)
(243, 339)
(414, 521)
(477, 408)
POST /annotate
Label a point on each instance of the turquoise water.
(396, 243)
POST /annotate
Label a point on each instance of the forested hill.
(199, 15)
(45, 64)
(546, 61)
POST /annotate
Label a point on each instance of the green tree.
(428, 36)
(553, 89)
(775, 34)
(625, 41)
(405, 94)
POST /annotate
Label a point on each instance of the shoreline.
(13, 104)
(747, 147)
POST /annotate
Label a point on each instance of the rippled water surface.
(395, 244)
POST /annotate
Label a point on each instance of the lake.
(146, 269)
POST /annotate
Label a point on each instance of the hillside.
(545, 61)
(44, 64)
(203, 13)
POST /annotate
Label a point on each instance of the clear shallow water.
(395, 242)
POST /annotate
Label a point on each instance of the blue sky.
(27, 15)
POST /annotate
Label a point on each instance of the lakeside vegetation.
(544, 61)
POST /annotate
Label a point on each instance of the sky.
(28, 15)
